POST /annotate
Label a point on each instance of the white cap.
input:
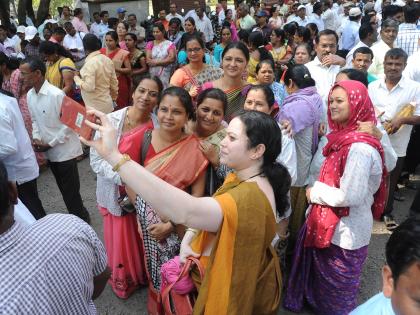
(20, 29)
(355, 11)
(30, 32)
(301, 7)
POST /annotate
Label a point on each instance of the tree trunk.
(159, 5)
(21, 13)
(43, 10)
(30, 11)
(5, 12)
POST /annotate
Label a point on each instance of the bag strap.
(147, 139)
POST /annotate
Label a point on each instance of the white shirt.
(349, 56)
(315, 18)
(309, 9)
(299, 21)
(76, 41)
(170, 16)
(330, 19)
(379, 50)
(192, 14)
(358, 184)
(95, 29)
(204, 26)
(45, 108)
(350, 36)
(412, 70)
(15, 146)
(324, 78)
(391, 102)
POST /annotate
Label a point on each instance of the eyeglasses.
(191, 50)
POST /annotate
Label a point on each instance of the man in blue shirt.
(401, 275)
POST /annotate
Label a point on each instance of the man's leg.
(394, 176)
(67, 177)
(28, 194)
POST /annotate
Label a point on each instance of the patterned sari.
(159, 52)
(118, 56)
(209, 73)
(171, 166)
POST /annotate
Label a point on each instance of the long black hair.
(50, 48)
(262, 129)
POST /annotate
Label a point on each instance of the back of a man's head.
(91, 43)
(401, 275)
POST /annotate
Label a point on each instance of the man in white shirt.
(368, 35)
(301, 18)
(173, 14)
(203, 25)
(390, 95)
(329, 16)
(412, 71)
(73, 41)
(192, 13)
(408, 37)
(389, 32)
(103, 27)
(60, 144)
(95, 27)
(316, 16)
(350, 36)
(326, 65)
(18, 156)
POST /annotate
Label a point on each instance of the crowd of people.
(263, 143)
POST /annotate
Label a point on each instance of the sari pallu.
(118, 56)
(242, 273)
(209, 73)
(171, 166)
(236, 98)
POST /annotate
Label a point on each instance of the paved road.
(109, 304)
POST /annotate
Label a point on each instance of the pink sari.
(122, 240)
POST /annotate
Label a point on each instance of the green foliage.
(53, 5)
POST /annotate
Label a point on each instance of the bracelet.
(191, 230)
(125, 158)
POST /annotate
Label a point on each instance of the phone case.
(73, 115)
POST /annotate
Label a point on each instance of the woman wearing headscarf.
(350, 192)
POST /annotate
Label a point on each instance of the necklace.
(250, 177)
(128, 119)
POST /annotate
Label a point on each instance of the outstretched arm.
(168, 201)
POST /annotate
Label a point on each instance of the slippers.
(390, 223)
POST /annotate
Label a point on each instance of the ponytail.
(261, 128)
(279, 178)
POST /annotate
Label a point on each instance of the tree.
(5, 13)
(43, 10)
(25, 9)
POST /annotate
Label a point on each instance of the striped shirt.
(408, 38)
(48, 267)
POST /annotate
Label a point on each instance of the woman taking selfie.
(242, 270)
(122, 241)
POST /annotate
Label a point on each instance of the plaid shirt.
(48, 267)
(31, 50)
(408, 38)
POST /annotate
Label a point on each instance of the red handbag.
(154, 301)
(181, 304)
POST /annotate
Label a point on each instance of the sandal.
(390, 223)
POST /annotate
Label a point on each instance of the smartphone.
(74, 115)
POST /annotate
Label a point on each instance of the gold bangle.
(191, 230)
(125, 158)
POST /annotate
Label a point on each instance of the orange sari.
(172, 166)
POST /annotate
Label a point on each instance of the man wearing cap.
(301, 18)
(32, 37)
(20, 32)
(121, 14)
(78, 23)
(262, 25)
(350, 35)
